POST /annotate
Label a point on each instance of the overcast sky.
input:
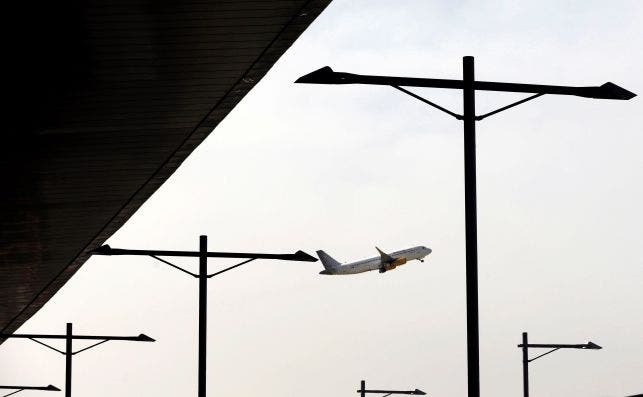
(345, 168)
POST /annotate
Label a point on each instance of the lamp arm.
(484, 116)
(435, 105)
(47, 346)
(173, 265)
(90, 346)
(12, 393)
(544, 354)
(231, 267)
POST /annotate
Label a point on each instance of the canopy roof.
(106, 100)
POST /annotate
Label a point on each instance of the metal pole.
(203, 313)
(68, 356)
(363, 388)
(469, 110)
(525, 365)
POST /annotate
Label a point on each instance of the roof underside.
(107, 98)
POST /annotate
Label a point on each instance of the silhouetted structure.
(104, 100)
(525, 345)
(203, 254)
(363, 391)
(69, 338)
(18, 389)
(469, 86)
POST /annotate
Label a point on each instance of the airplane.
(383, 263)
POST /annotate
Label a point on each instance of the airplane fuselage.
(376, 263)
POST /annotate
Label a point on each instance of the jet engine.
(392, 265)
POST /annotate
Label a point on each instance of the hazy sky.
(345, 168)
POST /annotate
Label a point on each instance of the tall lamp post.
(203, 254)
(69, 338)
(363, 391)
(469, 86)
(525, 345)
(18, 389)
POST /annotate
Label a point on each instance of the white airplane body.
(383, 263)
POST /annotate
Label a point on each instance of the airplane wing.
(386, 258)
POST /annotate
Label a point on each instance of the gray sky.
(345, 168)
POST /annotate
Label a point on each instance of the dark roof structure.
(104, 99)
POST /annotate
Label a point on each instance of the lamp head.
(102, 250)
(302, 256)
(612, 91)
(608, 90)
(592, 345)
(326, 75)
(52, 388)
(319, 76)
(144, 338)
(418, 392)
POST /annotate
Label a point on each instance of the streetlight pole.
(69, 337)
(469, 86)
(203, 254)
(525, 365)
(203, 314)
(68, 356)
(471, 224)
(525, 345)
(18, 389)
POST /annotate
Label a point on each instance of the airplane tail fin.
(327, 260)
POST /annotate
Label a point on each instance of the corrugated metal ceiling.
(105, 100)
